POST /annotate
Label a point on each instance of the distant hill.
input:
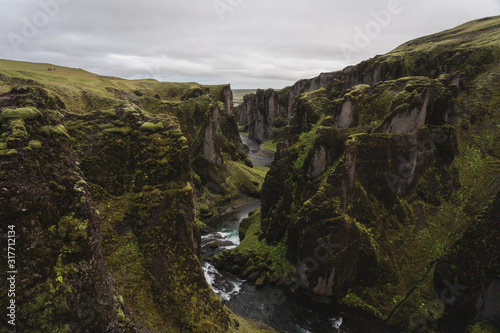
(238, 94)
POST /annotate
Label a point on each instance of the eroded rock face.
(369, 72)
(116, 182)
(382, 172)
(319, 162)
(489, 304)
(244, 111)
(260, 111)
(227, 99)
(210, 149)
(150, 158)
(366, 158)
(346, 117)
(62, 281)
(405, 121)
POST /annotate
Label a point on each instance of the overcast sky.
(248, 43)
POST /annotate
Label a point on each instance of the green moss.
(257, 172)
(27, 113)
(110, 112)
(151, 127)
(8, 152)
(55, 131)
(201, 225)
(120, 316)
(241, 178)
(304, 144)
(176, 132)
(131, 110)
(353, 301)
(118, 130)
(127, 264)
(35, 144)
(260, 281)
(269, 145)
(74, 229)
(316, 100)
(18, 129)
(482, 328)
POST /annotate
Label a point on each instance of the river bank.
(245, 298)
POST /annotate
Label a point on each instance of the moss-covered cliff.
(101, 192)
(469, 47)
(204, 113)
(384, 189)
(62, 282)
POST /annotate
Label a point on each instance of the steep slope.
(204, 113)
(103, 202)
(266, 112)
(63, 283)
(383, 194)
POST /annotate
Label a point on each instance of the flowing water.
(244, 298)
(256, 155)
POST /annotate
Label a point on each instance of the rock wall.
(141, 168)
(259, 110)
(104, 208)
(385, 185)
(62, 281)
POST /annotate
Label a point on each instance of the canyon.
(381, 203)
(383, 194)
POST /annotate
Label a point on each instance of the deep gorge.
(377, 212)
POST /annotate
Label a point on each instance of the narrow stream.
(256, 155)
(244, 298)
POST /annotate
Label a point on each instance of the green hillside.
(392, 163)
(106, 180)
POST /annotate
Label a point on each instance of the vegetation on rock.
(96, 176)
(394, 164)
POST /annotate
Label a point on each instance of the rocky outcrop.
(62, 281)
(385, 185)
(267, 109)
(347, 110)
(103, 205)
(259, 110)
(143, 163)
(227, 99)
(203, 112)
(210, 150)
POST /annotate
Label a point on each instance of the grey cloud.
(265, 42)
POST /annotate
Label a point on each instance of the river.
(256, 155)
(244, 298)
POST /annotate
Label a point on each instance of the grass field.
(74, 85)
(238, 94)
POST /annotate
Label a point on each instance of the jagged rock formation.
(267, 109)
(204, 113)
(103, 202)
(63, 283)
(260, 110)
(393, 163)
(140, 168)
